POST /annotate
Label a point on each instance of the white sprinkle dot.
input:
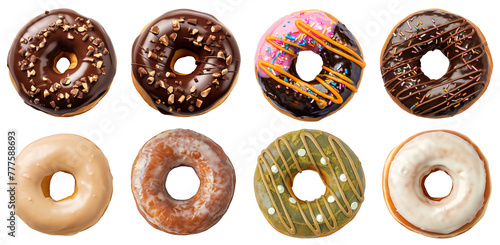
(292, 200)
(301, 152)
(281, 189)
(343, 178)
(271, 211)
(331, 199)
(319, 218)
(323, 161)
(274, 169)
(354, 205)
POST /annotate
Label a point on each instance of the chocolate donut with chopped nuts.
(176, 34)
(42, 42)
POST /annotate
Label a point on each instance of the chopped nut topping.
(164, 40)
(224, 71)
(216, 74)
(158, 101)
(98, 55)
(152, 55)
(82, 29)
(45, 93)
(60, 96)
(211, 38)
(74, 92)
(215, 28)
(99, 64)
(155, 30)
(220, 55)
(170, 75)
(142, 71)
(85, 87)
(31, 73)
(206, 92)
(163, 85)
(66, 81)
(173, 36)
(176, 25)
(181, 99)
(66, 95)
(215, 81)
(207, 48)
(198, 103)
(192, 21)
(229, 60)
(151, 80)
(170, 89)
(152, 73)
(192, 89)
(171, 99)
(194, 31)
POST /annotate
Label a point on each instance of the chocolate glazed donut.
(177, 34)
(459, 40)
(332, 88)
(38, 47)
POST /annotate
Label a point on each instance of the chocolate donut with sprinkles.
(276, 58)
(37, 49)
(464, 45)
(174, 35)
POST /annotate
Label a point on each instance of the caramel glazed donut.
(42, 42)
(176, 34)
(409, 164)
(276, 58)
(68, 153)
(459, 40)
(339, 169)
(171, 149)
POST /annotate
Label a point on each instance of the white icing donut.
(411, 162)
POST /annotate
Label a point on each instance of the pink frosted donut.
(276, 57)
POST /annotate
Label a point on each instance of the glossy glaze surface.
(339, 169)
(42, 42)
(459, 40)
(171, 149)
(179, 33)
(276, 58)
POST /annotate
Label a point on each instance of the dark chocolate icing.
(201, 34)
(459, 40)
(302, 106)
(36, 48)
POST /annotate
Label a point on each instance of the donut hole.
(308, 185)
(65, 61)
(438, 185)
(62, 186)
(434, 64)
(182, 183)
(183, 62)
(308, 65)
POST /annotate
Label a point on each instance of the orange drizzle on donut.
(314, 226)
(319, 37)
(352, 56)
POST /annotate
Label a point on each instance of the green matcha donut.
(336, 164)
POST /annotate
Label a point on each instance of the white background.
(371, 124)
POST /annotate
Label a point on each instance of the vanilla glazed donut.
(468, 73)
(174, 35)
(42, 42)
(72, 154)
(409, 164)
(336, 164)
(171, 149)
(276, 58)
